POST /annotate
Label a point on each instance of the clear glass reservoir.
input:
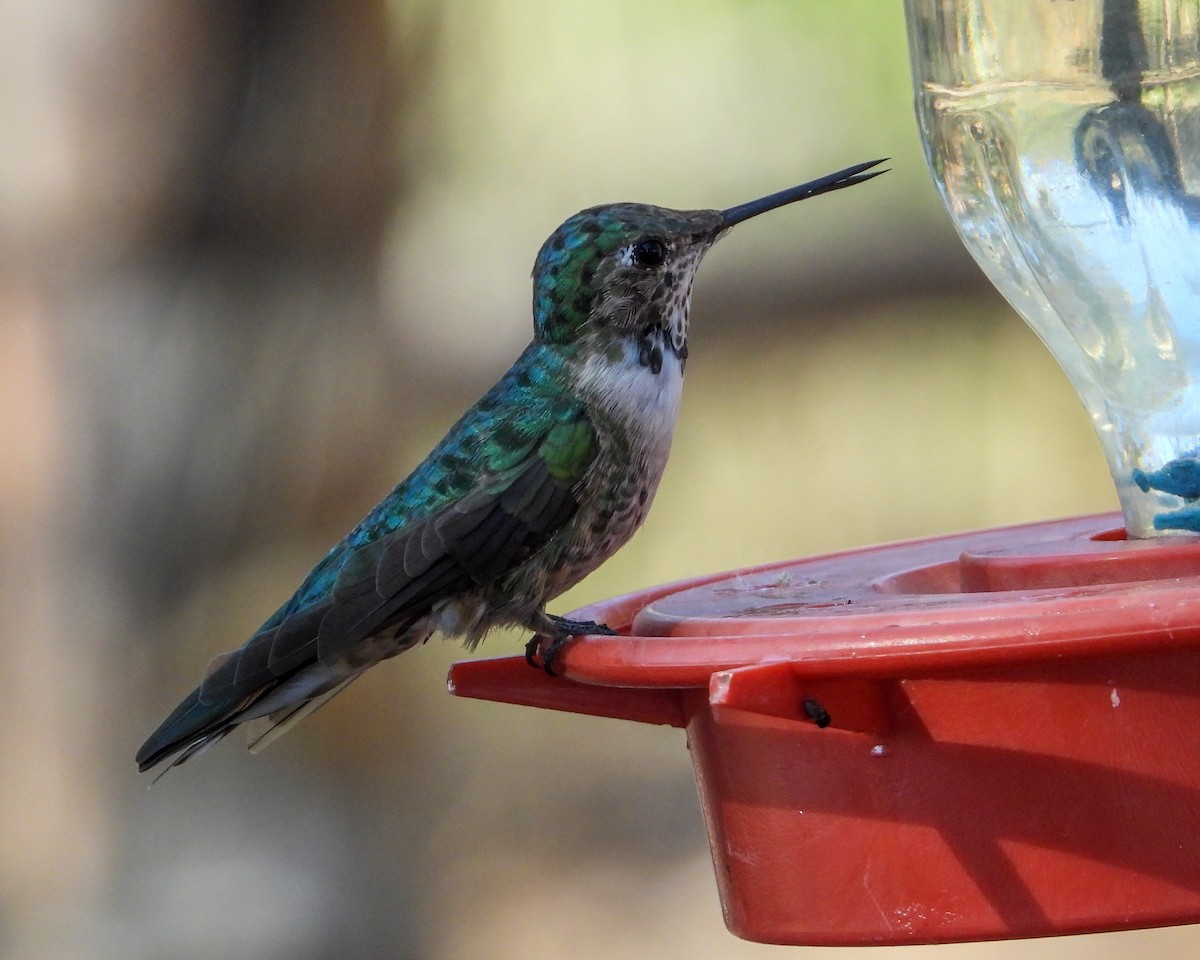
(1064, 136)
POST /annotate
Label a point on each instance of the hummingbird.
(534, 487)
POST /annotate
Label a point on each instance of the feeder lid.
(1021, 594)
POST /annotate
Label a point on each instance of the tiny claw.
(532, 649)
(550, 654)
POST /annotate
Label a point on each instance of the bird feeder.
(986, 735)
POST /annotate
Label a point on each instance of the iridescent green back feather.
(526, 414)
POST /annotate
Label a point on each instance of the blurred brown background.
(257, 257)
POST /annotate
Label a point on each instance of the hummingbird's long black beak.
(834, 181)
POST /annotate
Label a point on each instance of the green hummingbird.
(532, 489)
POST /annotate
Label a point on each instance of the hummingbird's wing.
(384, 586)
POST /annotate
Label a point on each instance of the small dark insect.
(815, 712)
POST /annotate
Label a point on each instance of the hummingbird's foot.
(559, 631)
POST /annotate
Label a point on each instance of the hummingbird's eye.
(650, 252)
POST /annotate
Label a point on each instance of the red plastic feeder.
(1009, 748)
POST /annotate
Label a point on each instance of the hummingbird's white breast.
(642, 398)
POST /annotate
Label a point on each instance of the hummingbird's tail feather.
(191, 727)
(272, 708)
(261, 732)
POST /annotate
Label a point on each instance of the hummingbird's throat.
(657, 341)
(668, 331)
(650, 352)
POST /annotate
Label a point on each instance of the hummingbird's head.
(609, 272)
(623, 272)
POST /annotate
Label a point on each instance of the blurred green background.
(258, 256)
